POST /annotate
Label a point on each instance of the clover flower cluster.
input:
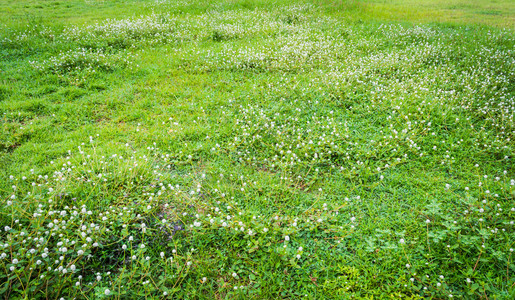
(128, 33)
(84, 60)
(55, 243)
(56, 238)
(159, 29)
(302, 50)
(293, 138)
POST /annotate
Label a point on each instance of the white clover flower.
(401, 241)
(107, 292)
(286, 238)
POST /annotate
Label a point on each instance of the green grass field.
(257, 149)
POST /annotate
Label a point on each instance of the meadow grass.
(257, 149)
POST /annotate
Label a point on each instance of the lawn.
(257, 149)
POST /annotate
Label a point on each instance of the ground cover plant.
(256, 149)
